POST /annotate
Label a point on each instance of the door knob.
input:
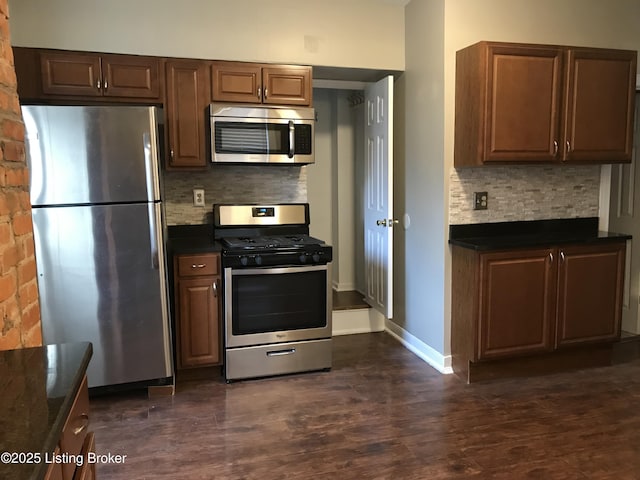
(382, 222)
(393, 221)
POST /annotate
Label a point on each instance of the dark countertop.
(183, 239)
(38, 388)
(536, 233)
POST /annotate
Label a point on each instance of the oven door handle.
(278, 353)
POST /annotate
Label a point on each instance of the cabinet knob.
(568, 147)
(106, 85)
(198, 265)
(260, 92)
(265, 93)
(98, 84)
(555, 148)
(550, 257)
(215, 289)
(562, 256)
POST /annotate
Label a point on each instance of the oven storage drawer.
(203, 264)
(278, 359)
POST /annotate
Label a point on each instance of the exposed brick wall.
(19, 307)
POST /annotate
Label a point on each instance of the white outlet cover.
(198, 197)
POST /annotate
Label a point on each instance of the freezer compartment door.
(91, 154)
(101, 277)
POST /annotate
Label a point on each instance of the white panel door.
(378, 191)
(624, 217)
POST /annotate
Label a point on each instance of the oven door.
(273, 305)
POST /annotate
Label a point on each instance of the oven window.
(253, 138)
(275, 302)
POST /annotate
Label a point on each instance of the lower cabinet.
(518, 299)
(197, 299)
(590, 282)
(513, 303)
(75, 440)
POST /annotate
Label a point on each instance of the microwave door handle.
(292, 131)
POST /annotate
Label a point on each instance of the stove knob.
(316, 257)
(258, 260)
(302, 258)
(244, 261)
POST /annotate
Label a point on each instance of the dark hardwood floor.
(381, 413)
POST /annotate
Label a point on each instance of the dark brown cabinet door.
(131, 76)
(236, 82)
(187, 99)
(590, 282)
(287, 85)
(517, 303)
(71, 74)
(600, 105)
(92, 75)
(523, 104)
(199, 336)
(255, 83)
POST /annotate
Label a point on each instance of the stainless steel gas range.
(277, 291)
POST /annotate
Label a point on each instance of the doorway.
(335, 183)
(354, 152)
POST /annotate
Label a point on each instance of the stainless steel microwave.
(261, 134)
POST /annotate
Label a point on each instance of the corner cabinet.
(197, 298)
(512, 303)
(527, 104)
(187, 99)
(256, 83)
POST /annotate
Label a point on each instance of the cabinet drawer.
(75, 428)
(192, 265)
(88, 470)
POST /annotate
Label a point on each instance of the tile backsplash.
(524, 193)
(230, 184)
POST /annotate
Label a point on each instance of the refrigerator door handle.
(154, 222)
(150, 148)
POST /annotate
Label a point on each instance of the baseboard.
(360, 320)
(343, 287)
(440, 362)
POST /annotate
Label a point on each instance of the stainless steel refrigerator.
(98, 230)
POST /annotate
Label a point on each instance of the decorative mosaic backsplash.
(524, 193)
(230, 184)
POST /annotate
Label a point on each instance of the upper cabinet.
(184, 87)
(256, 83)
(187, 99)
(55, 74)
(530, 104)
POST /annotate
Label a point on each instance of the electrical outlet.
(198, 197)
(480, 200)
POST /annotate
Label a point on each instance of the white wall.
(320, 174)
(419, 173)
(340, 33)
